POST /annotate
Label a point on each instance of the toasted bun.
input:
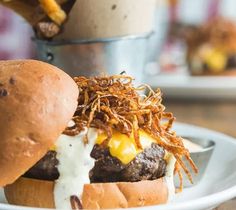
(37, 100)
(38, 193)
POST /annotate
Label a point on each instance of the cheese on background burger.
(117, 151)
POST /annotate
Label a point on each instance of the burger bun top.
(37, 100)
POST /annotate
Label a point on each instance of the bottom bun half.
(38, 193)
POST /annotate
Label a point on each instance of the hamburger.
(114, 149)
(212, 48)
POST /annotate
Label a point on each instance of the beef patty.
(45, 169)
(147, 165)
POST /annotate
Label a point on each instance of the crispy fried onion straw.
(112, 102)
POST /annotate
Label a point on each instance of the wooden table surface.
(216, 115)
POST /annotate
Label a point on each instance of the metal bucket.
(96, 57)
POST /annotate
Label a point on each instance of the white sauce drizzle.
(169, 177)
(74, 166)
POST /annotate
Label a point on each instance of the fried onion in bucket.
(112, 102)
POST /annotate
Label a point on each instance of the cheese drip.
(124, 147)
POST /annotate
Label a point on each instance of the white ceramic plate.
(185, 86)
(218, 184)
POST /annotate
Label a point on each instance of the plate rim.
(186, 86)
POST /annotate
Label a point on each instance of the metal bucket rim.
(90, 41)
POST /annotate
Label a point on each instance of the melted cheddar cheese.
(124, 147)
